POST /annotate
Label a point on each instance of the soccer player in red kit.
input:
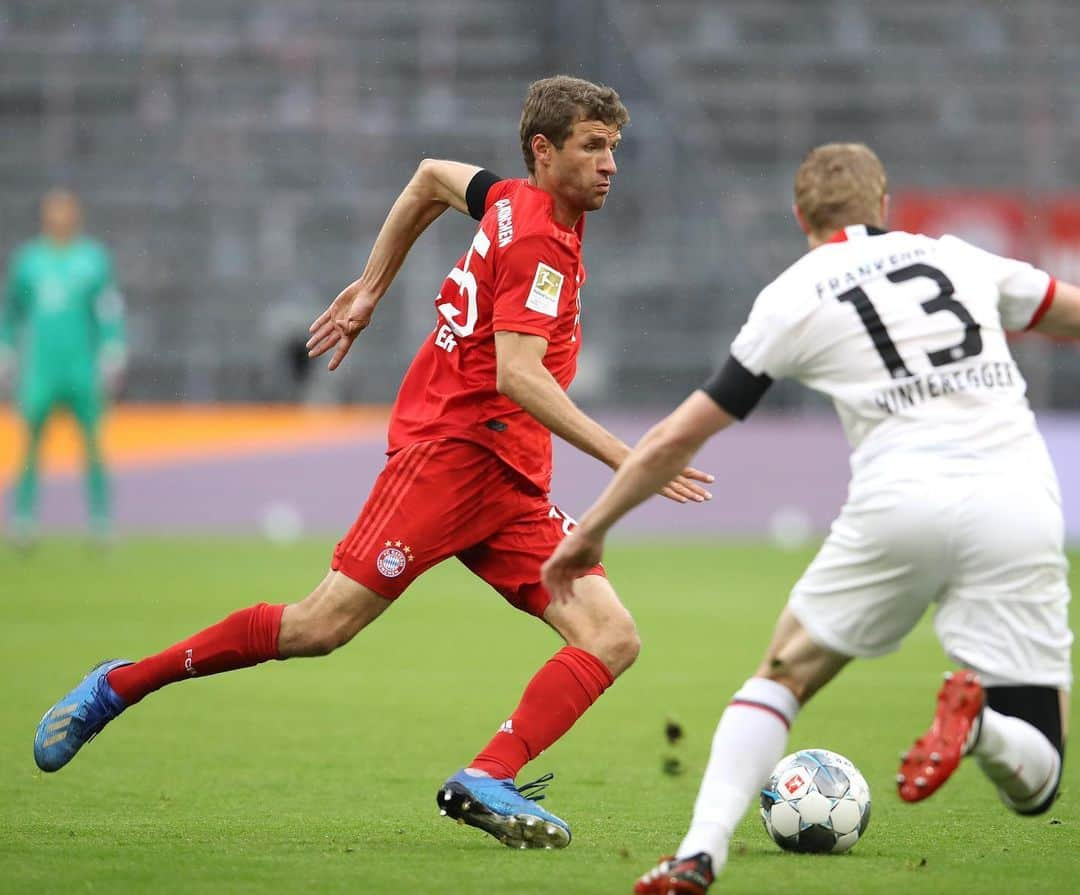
(469, 465)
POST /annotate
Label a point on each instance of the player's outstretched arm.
(1062, 318)
(664, 450)
(522, 377)
(436, 186)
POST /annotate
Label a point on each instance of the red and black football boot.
(937, 753)
(685, 876)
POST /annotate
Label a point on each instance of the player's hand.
(576, 554)
(7, 372)
(684, 488)
(338, 326)
(112, 378)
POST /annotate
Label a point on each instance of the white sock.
(1021, 762)
(750, 739)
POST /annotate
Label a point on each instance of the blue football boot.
(77, 718)
(507, 812)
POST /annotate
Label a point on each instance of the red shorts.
(436, 499)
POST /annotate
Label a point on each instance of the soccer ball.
(815, 801)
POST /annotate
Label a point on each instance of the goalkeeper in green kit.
(62, 343)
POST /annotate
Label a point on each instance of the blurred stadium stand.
(239, 157)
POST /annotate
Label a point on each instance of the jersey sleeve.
(109, 313)
(13, 301)
(534, 279)
(767, 344)
(484, 190)
(766, 349)
(1025, 293)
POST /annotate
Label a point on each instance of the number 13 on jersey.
(971, 345)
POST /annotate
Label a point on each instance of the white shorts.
(988, 548)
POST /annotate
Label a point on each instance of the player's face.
(582, 170)
(61, 215)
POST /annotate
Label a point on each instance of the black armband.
(477, 190)
(736, 389)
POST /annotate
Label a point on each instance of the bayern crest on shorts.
(392, 560)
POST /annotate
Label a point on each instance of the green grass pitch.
(319, 776)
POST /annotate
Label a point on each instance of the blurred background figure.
(62, 345)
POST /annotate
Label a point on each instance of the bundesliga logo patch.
(544, 294)
(794, 784)
(393, 559)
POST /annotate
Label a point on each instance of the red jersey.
(523, 273)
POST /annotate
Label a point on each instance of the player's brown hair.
(840, 184)
(554, 105)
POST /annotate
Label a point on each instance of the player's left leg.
(327, 618)
(414, 495)
(749, 740)
(867, 587)
(87, 407)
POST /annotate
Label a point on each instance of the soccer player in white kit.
(953, 500)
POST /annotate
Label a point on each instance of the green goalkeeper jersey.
(62, 310)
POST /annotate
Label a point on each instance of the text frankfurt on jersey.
(869, 270)
(988, 376)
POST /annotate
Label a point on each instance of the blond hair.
(554, 105)
(840, 184)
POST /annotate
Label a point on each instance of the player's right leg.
(601, 643)
(1005, 617)
(1020, 745)
(36, 399)
(328, 618)
(1016, 734)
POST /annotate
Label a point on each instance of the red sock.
(245, 638)
(559, 694)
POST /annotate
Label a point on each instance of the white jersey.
(906, 335)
